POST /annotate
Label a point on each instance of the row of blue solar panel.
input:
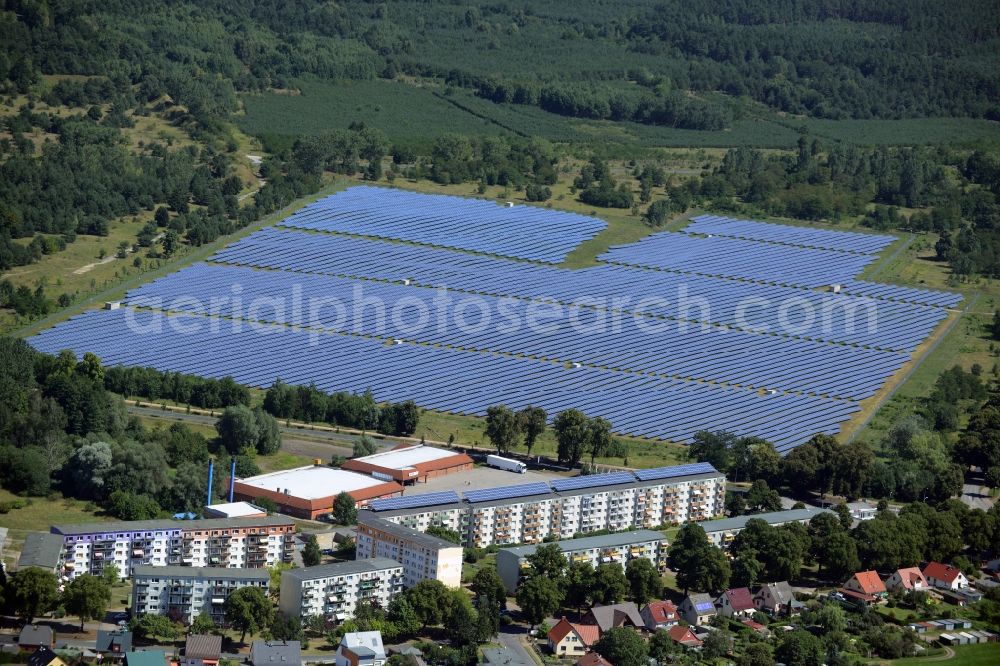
(540, 488)
(524, 232)
(491, 324)
(740, 259)
(441, 379)
(748, 306)
(891, 292)
(824, 239)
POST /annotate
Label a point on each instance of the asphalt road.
(510, 637)
(975, 493)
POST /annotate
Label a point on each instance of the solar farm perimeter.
(727, 325)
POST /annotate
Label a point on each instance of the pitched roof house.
(776, 599)
(660, 615)
(43, 656)
(361, 648)
(737, 602)
(697, 608)
(276, 653)
(864, 586)
(202, 650)
(113, 644)
(945, 576)
(614, 615)
(146, 658)
(572, 640)
(684, 636)
(592, 659)
(34, 636)
(908, 580)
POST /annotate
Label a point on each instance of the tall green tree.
(486, 584)
(345, 511)
(311, 553)
(644, 581)
(599, 438)
(610, 584)
(503, 428)
(579, 587)
(697, 563)
(622, 646)
(429, 600)
(533, 421)
(547, 560)
(570, 428)
(248, 610)
(87, 597)
(539, 597)
(33, 592)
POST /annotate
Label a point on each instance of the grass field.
(38, 515)
(986, 654)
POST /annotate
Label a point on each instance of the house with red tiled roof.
(736, 603)
(567, 639)
(684, 636)
(910, 579)
(592, 659)
(864, 586)
(660, 615)
(945, 576)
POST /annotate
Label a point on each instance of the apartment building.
(334, 590)
(182, 593)
(595, 550)
(562, 508)
(422, 556)
(219, 542)
(722, 532)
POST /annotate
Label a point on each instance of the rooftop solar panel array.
(694, 352)
(842, 318)
(740, 259)
(478, 225)
(412, 501)
(674, 471)
(844, 241)
(441, 379)
(592, 481)
(506, 492)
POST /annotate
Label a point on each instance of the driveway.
(975, 493)
(511, 638)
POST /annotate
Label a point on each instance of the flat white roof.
(312, 482)
(236, 509)
(408, 457)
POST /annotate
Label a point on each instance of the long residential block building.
(182, 593)
(722, 532)
(422, 556)
(218, 542)
(562, 508)
(594, 550)
(333, 591)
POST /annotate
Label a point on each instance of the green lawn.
(985, 654)
(39, 515)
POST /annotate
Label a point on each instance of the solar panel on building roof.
(506, 492)
(704, 606)
(414, 501)
(674, 471)
(593, 481)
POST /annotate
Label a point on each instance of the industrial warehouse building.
(410, 463)
(215, 542)
(528, 513)
(309, 492)
(595, 550)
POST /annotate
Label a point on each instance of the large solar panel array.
(525, 232)
(740, 259)
(592, 481)
(506, 492)
(891, 292)
(674, 471)
(701, 353)
(844, 241)
(712, 364)
(412, 501)
(844, 318)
